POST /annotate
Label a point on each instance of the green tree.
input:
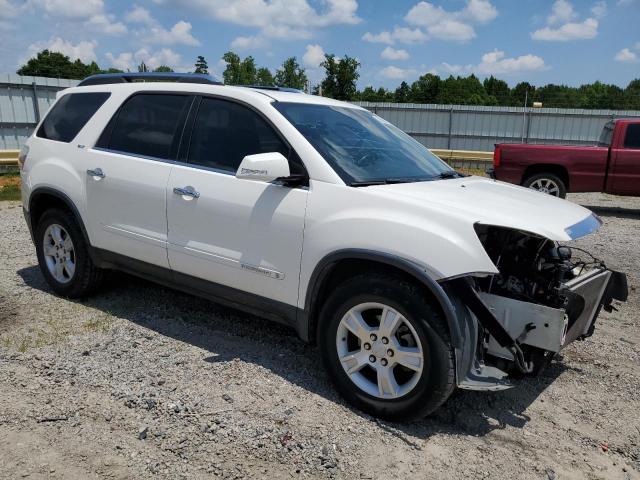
(57, 65)
(201, 65)
(163, 69)
(340, 77)
(426, 89)
(522, 91)
(239, 72)
(264, 77)
(632, 95)
(142, 68)
(498, 89)
(291, 75)
(402, 93)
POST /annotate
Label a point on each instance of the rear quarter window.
(70, 114)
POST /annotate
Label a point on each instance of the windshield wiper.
(449, 174)
(387, 181)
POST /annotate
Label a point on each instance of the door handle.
(96, 172)
(186, 191)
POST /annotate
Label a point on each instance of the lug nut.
(390, 353)
(373, 337)
(372, 358)
(367, 346)
(385, 340)
(383, 362)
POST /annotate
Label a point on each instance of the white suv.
(412, 279)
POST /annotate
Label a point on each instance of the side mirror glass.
(263, 167)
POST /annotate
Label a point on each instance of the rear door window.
(147, 125)
(632, 137)
(70, 114)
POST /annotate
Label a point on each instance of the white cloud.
(106, 24)
(391, 53)
(626, 56)
(563, 26)
(561, 12)
(124, 61)
(451, 25)
(569, 31)
(313, 56)
(599, 9)
(140, 15)
(399, 34)
(396, 73)
(71, 8)
(496, 63)
(9, 9)
(83, 50)
(153, 59)
(180, 33)
(278, 18)
(452, 30)
(244, 43)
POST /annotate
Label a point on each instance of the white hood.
(482, 200)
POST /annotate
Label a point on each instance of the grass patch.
(473, 171)
(10, 186)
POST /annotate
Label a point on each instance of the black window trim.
(108, 128)
(189, 128)
(41, 124)
(187, 124)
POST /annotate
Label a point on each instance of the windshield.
(363, 148)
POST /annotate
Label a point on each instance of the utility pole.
(524, 112)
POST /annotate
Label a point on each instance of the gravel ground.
(141, 381)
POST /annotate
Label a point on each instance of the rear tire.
(63, 255)
(548, 183)
(405, 376)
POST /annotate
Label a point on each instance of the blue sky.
(540, 41)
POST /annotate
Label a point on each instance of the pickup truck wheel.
(547, 183)
(386, 348)
(63, 255)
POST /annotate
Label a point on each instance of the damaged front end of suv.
(545, 296)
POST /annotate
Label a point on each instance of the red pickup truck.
(613, 166)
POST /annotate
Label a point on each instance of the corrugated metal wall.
(22, 101)
(457, 127)
(463, 127)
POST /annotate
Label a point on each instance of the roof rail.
(272, 87)
(108, 78)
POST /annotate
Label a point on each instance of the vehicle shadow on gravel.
(619, 212)
(228, 335)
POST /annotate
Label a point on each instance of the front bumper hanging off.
(516, 327)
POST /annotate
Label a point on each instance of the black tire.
(437, 381)
(562, 188)
(87, 278)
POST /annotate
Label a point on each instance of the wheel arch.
(44, 198)
(344, 263)
(558, 170)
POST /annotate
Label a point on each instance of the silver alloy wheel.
(59, 254)
(380, 350)
(546, 185)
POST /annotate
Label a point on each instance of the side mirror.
(263, 167)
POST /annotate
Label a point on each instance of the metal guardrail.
(456, 158)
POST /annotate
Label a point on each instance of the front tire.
(386, 347)
(63, 255)
(547, 183)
